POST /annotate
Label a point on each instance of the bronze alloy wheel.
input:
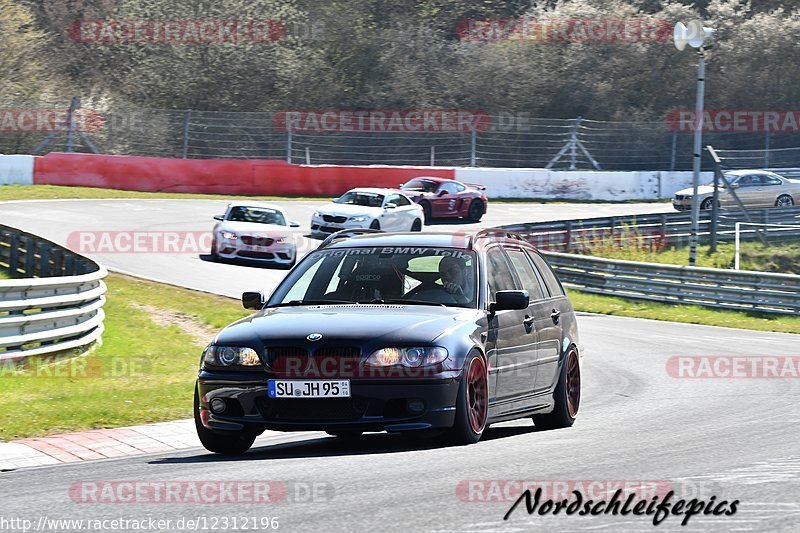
(573, 383)
(477, 395)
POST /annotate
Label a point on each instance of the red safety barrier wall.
(221, 176)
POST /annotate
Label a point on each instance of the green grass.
(163, 359)
(57, 192)
(690, 314)
(779, 257)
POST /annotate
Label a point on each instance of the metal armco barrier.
(710, 287)
(58, 303)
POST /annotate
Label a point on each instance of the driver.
(455, 280)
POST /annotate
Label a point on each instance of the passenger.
(455, 278)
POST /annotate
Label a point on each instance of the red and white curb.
(101, 444)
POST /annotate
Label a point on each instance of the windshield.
(259, 215)
(418, 184)
(410, 275)
(368, 199)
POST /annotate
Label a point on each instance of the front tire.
(224, 442)
(567, 395)
(784, 200)
(475, 211)
(426, 212)
(472, 402)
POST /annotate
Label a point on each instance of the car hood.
(350, 322)
(702, 189)
(253, 228)
(349, 210)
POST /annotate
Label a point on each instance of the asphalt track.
(728, 438)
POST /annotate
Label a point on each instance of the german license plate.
(278, 388)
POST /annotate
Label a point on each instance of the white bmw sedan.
(255, 232)
(383, 209)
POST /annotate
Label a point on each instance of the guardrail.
(58, 305)
(740, 290)
(656, 229)
(710, 287)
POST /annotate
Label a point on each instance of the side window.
(550, 279)
(458, 187)
(499, 273)
(399, 200)
(772, 180)
(392, 199)
(530, 281)
(449, 187)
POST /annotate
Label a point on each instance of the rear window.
(549, 277)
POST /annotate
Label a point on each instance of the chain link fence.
(509, 139)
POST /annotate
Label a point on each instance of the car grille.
(255, 255)
(257, 241)
(681, 197)
(334, 219)
(327, 361)
(311, 408)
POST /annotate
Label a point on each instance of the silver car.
(755, 188)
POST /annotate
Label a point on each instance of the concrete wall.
(579, 184)
(16, 169)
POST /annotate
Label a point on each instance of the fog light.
(217, 406)
(415, 406)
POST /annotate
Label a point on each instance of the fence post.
(289, 146)
(187, 116)
(568, 238)
(13, 254)
(472, 142)
(433, 156)
(715, 208)
(308, 155)
(766, 149)
(573, 152)
(30, 257)
(674, 151)
(76, 101)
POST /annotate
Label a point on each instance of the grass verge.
(58, 192)
(143, 372)
(689, 314)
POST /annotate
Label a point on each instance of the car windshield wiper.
(401, 301)
(294, 303)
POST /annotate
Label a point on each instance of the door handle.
(528, 321)
(555, 315)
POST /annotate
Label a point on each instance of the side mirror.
(253, 300)
(293, 224)
(442, 193)
(400, 186)
(510, 300)
(219, 217)
(735, 185)
(390, 205)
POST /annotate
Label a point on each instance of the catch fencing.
(505, 139)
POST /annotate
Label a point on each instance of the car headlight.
(411, 357)
(230, 356)
(279, 240)
(362, 218)
(317, 214)
(228, 235)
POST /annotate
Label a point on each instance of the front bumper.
(682, 205)
(320, 227)
(278, 253)
(374, 405)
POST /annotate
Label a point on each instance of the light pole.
(697, 36)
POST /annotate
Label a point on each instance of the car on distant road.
(379, 209)
(399, 332)
(755, 188)
(446, 198)
(255, 231)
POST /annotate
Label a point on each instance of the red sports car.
(446, 198)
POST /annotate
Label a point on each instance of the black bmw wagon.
(396, 332)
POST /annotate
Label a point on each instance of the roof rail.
(496, 232)
(346, 234)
